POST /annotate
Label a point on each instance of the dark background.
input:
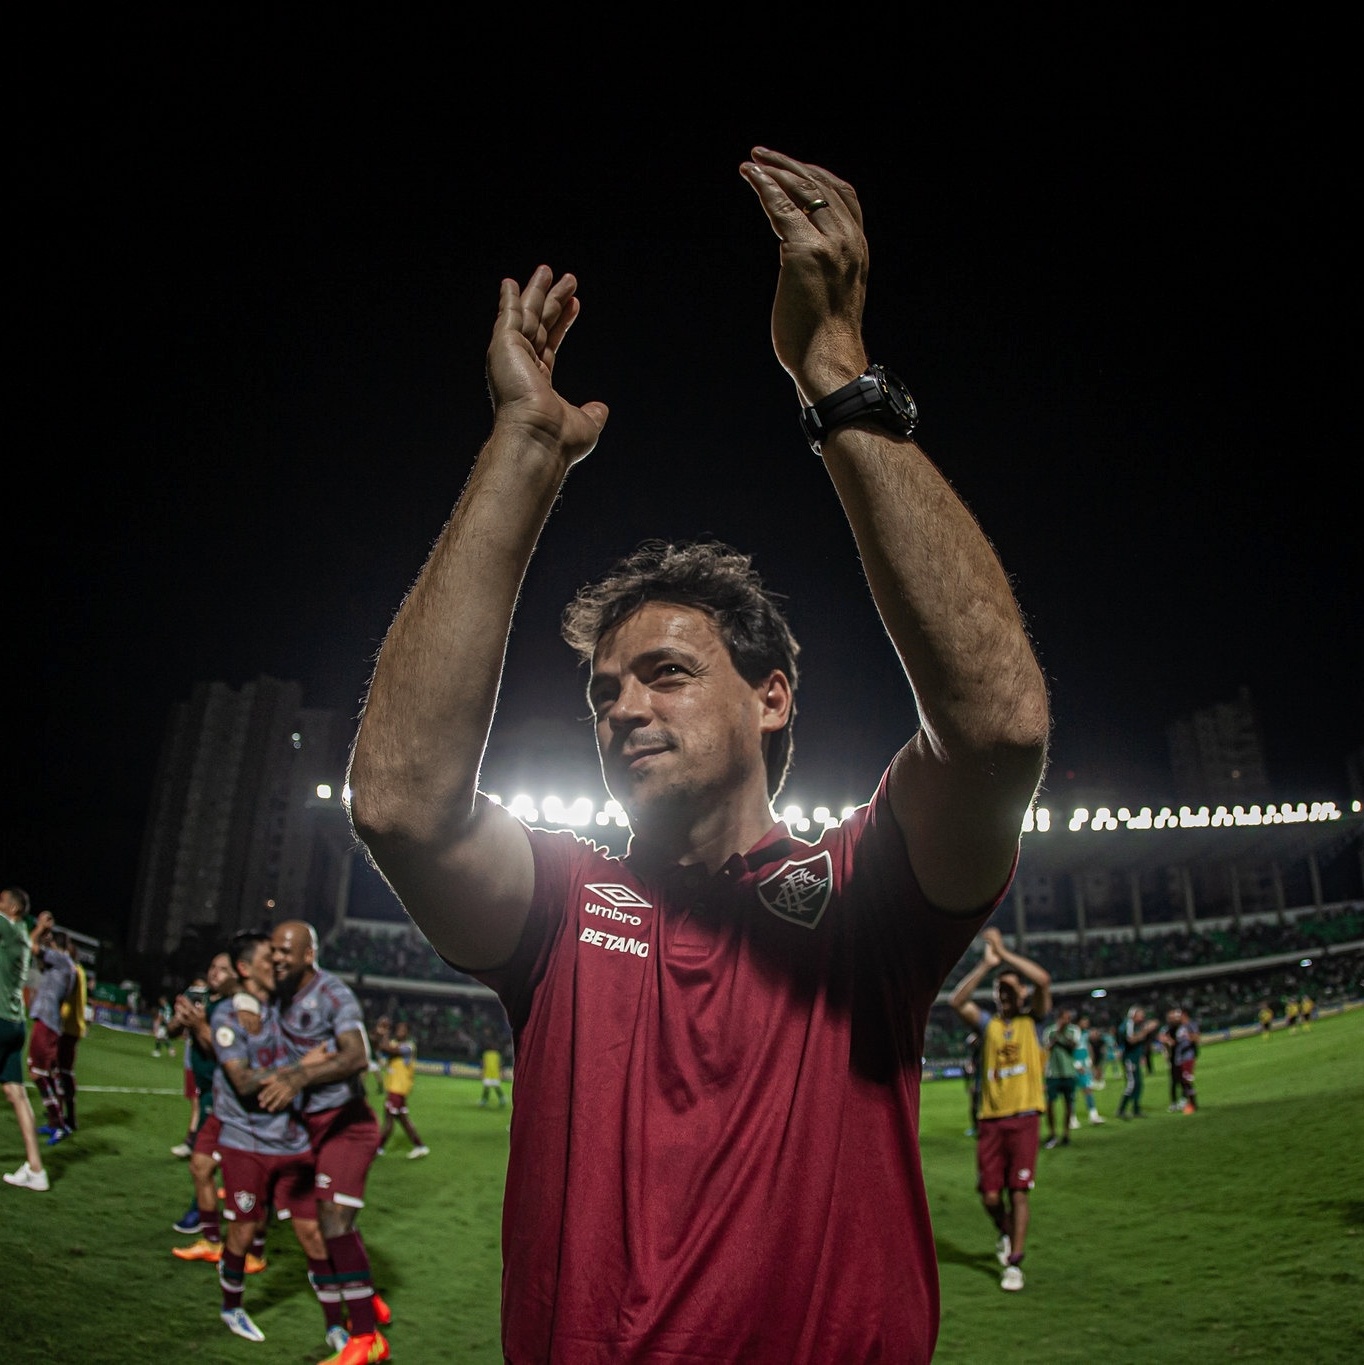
(258, 264)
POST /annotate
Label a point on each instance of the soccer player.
(197, 993)
(1011, 1094)
(1135, 1040)
(1266, 1020)
(161, 1022)
(492, 1077)
(705, 1028)
(1307, 1007)
(74, 1027)
(318, 1011)
(1060, 1042)
(58, 979)
(400, 1074)
(16, 953)
(1180, 1037)
(193, 1015)
(266, 1155)
(1084, 1072)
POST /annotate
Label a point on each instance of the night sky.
(259, 267)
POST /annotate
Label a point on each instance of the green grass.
(1234, 1235)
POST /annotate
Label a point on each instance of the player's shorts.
(42, 1049)
(255, 1182)
(66, 1051)
(344, 1143)
(1006, 1153)
(394, 1103)
(11, 1051)
(191, 1085)
(1184, 1070)
(1060, 1087)
(206, 1139)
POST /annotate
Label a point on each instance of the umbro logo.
(799, 889)
(618, 897)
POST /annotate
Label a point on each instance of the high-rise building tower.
(1217, 754)
(245, 825)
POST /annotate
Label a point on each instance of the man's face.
(676, 723)
(9, 905)
(259, 968)
(219, 975)
(292, 950)
(1008, 993)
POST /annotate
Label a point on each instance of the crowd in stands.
(455, 1030)
(1167, 951)
(459, 1028)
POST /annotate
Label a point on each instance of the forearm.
(415, 764)
(946, 604)
(1025, 967)
(968, 985)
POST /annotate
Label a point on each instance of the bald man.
(317, 1009)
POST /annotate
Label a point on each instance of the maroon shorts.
(42, 1049)
(1184, 1070)
(66, 1051)
(255, 1182)
(394, 1103)
(206, 1139)
(1006, 1153)
(344, 1142)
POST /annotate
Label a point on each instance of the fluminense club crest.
(244, 1200)
(799, 889)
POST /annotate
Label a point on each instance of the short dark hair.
(244, 944)
(21, 896)
(714, 578)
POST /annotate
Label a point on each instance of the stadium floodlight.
(1306, 962)
(324, 792)
(1097, 993)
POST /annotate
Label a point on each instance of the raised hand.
(822, 288)
(531, 326)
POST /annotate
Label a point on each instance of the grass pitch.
(1233, 1235)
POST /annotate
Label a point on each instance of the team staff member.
(742, 1012)
(1011, 1094)
(16, 953)
(319, 1011)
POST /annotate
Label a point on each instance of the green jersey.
(15, 955)
(1061, 1040)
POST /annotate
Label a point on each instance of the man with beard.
(319, 1011)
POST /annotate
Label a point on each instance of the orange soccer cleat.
(202, 1250)
(383, 1314)
(368, 1349)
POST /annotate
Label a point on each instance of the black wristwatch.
(876, 395)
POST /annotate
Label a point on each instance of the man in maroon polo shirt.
(714, 1151)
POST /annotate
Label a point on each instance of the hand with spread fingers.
(822, 288)
(531, 326)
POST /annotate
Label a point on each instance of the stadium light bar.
(583, 812)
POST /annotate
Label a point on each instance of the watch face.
(899, 398)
